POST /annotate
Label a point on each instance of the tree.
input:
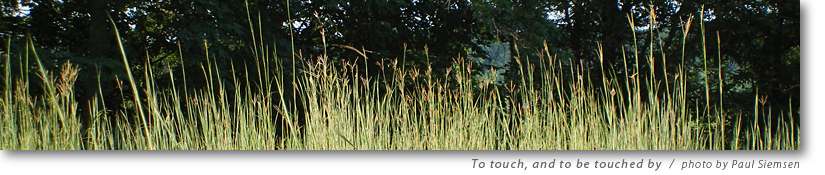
(759, 38)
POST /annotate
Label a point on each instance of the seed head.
(68, 76)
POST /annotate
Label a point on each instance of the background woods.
(759, 38)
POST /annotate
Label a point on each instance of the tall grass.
(554, 104)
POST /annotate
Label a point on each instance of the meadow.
(555, 103)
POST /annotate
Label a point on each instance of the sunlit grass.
(553, 104)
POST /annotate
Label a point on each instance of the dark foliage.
(759, 38)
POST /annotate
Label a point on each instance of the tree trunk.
(100, 39)
(614, 26)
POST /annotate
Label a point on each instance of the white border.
(418, 162)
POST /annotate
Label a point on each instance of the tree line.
(760, 39)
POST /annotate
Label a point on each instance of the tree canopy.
(759, 38)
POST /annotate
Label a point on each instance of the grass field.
(336, 106)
